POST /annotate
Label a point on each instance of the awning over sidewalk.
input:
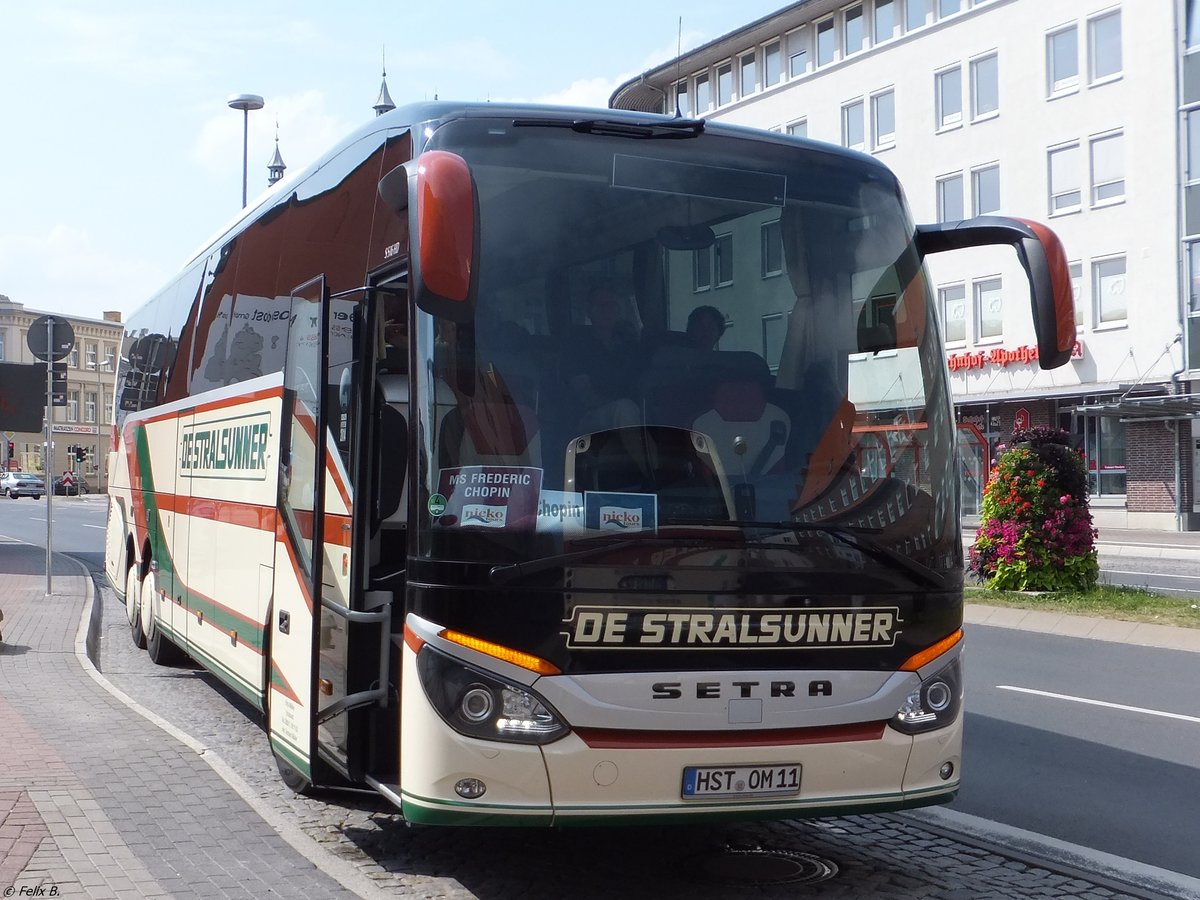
(1146, 409)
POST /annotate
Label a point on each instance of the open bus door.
(319, 631)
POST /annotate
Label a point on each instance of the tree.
(1036, 532)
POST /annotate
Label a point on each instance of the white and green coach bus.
(421, 457)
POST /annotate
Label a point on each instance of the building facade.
(1077, 113)
(84, 422)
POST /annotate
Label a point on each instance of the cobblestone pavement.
(114, 765)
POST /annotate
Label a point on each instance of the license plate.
(741, 781)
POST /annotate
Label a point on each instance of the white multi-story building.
(1076, 113)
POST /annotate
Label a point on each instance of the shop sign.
(1002, 356)
(1021, 419)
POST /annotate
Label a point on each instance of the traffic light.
(80, 453)
(11, 450)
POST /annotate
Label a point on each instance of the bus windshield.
(711, 335)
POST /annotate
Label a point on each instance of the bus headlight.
(478, 704)
(935, 704)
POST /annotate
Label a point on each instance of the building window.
(702, 269)
(985, 87)
(883, 120)
(948, 7)
(2, 345)
(915, 14)
(1193, 144)
(703, 94)
(681, 99)
(110, 357)
(724, 84)
(949, 97)
(749, 80)
(853, 36)
(772, 64)
(772, 249)
(1103, 442)
(1108, 289)
(797, 53)
(826, 43)
(1066, 187)
(1104, 47)
(774, 328)
(73, 357)
(950, 198)
(989, 308)
(89, 350)
(72, 406)
(724, 259)
(985, 190)
(1076, 270)
(1108, 170)
(89, 407)
(1193, 24)
(798, 128)
(885, 21)
(852, 126)
(953, 303)
(1193, 316)
(1062, 61)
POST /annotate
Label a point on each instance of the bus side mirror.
(438, 192)
(1045, 263)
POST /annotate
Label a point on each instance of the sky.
(119, 157)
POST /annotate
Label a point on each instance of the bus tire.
(133, 606)
(291, 778)
(161, 648)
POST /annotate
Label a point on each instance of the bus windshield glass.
(683, 338)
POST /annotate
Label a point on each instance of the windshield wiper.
(674, 128)
(505, 574)
(858, 538)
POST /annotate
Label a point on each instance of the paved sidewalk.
(96, 801)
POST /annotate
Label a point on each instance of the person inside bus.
(602, 364)
(705, 326)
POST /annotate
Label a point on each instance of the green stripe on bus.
(235, 681)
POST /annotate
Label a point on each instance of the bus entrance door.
(315, 673)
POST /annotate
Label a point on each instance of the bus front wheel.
(133, 606)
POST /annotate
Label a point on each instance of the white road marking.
(86, 525)
(1104, 703)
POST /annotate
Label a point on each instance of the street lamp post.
(245, 102)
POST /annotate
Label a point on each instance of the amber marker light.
(932, 652)
(498, 651)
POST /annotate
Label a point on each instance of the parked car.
(70, 485)
(22, 484)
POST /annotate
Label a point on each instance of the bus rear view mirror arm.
(1045, 263)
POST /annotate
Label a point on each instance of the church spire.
(276, 166)
(384, 103)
